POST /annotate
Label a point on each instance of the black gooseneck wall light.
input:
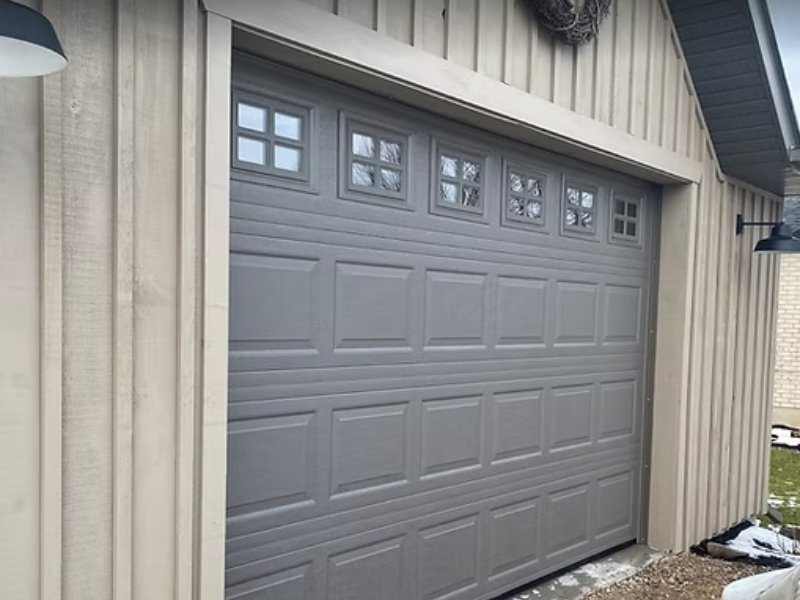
(29, 46)
(781, 238)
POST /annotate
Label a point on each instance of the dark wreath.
(573, 26)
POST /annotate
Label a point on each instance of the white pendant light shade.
(29, 45)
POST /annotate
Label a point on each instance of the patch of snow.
(568, 580)
(607, 572)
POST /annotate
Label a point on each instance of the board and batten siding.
(111, 312)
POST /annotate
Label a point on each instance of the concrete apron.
(591, 576)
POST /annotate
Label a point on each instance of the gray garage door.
(437, 342)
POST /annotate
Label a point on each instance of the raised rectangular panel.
(289, 584)
(372, 306)
(451, 435)
(374, 571)
(570, 417)
(454, 309)
(369, 447)
(614, 503)
(271, 301)
(567, 520)
(513, 536)
(448, 558)
(622, 314)
(516, 424)
(617, 409)
(576, 309)
(270, 461)
(521, 309)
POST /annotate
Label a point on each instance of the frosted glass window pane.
(391, 152)
(286, 158)
(363, 145)
(449, 166)
(251, 151)
(251, 117)
(287, 126)
(448, 192)
(361, 174)
(390, 180)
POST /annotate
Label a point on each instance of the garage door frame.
(220, 41)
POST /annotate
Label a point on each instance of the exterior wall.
(786, 401)
(100, 264)
(631, 77)
(114, 250)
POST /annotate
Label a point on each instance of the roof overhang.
(736, 67)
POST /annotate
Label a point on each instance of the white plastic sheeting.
(775, 585)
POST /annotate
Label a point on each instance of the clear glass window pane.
(587, 199)
(251, 151)
(571, 217)
(633, 209)
(472, 171)
(286, 158)
(390, 180)
(516, 206)
(470, 196)
(391, 152)
(362, 174)
(619, 226)
(448, 192)
(587, 220)
(448, 166)
(630, 229)
(534, 187)
(515, 181)
(573, 196)
(619, 207)
(251, 117)
(534, 209)
(287, 126)
(363, 145)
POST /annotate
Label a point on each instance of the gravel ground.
(684, 576)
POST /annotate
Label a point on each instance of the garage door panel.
(465, 551)
(442, 401)
(256, 536)
(255, 222)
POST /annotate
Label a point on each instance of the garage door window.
(270, 136)
(376, 161)
(458, 180)
(580, 208)
(524, 195)
(625, 219)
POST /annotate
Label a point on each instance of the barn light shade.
(29, 45)
(781, 238)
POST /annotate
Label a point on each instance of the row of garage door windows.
(272, 137)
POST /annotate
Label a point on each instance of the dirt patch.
(681, 576)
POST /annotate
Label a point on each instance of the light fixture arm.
(741, 224)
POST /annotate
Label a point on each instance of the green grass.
(784, 483)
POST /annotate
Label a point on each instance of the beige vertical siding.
(99, 360)
(20, 157)
(630, 77)
(107, 398)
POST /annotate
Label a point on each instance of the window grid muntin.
(525, 197)
(375, 160)
(271, 107)
(463, 182)
(629, 217)
(580, 209)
